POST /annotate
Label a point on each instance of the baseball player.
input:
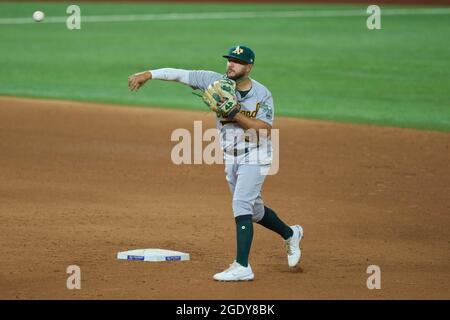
(245, 165)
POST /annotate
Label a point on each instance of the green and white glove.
(221, 98)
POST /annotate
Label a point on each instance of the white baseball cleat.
(293, 246)
(235, 272)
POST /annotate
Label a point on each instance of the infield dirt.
(80, 182)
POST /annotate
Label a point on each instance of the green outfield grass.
(330, 68)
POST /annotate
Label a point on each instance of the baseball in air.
(38, 16)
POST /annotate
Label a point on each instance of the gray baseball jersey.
(247, 160)
(256, 104)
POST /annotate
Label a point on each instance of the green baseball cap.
(241, 53)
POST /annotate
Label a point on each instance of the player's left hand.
(221, 98)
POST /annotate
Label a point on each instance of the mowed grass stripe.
(232, 15)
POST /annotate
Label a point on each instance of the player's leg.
(244, 225)
(291, 235)
(272, 221)
(231, 176)
(246, 188)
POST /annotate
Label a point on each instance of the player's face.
(237, 69)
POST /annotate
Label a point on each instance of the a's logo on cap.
(238, 50)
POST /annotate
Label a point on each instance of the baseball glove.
(220, 97)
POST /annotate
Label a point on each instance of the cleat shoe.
(235, 272)
(293, 246)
